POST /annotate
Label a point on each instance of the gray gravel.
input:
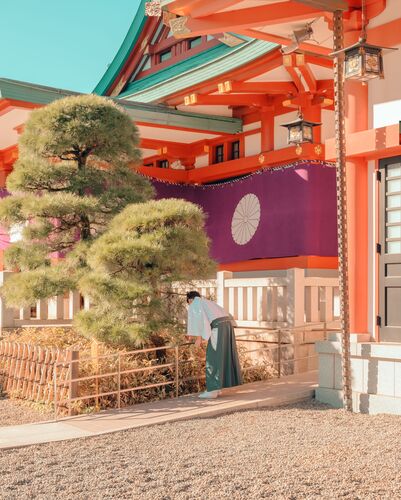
(301, 451)
(14, 412)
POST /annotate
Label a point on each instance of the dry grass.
(191, 369)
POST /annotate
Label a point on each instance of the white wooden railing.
(288, 300)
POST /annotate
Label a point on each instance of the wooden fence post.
(73, 387)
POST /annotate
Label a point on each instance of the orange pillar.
(357, 210)
(314, 114)
(267, 126)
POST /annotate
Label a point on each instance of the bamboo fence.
(27, 371)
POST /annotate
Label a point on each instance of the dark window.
(194, 42)
(219, 153)
(148, 164)
(165, 56)
(234, 153)
(163, 164)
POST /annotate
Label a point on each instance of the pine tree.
(134, 265)
(73, 175)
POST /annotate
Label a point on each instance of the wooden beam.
(329, 5)
(231, 21)
(228, 100)
(262, 88)
(289, 64)
(269, 37)
(306, 72)
(206, 8)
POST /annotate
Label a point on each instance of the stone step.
(354, 337)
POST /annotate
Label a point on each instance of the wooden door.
(390, 250)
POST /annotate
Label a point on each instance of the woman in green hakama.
(209, 322)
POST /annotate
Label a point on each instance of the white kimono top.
(201, 312)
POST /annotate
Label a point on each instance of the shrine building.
(236, 109)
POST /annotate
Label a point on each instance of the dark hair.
(192, 295)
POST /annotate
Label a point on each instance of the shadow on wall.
(371, 378)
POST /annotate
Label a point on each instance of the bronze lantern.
(300, 130)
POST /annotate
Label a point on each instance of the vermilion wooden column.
(267, 126)
(357, 210)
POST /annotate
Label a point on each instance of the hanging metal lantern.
(300, 130)
(363, 61)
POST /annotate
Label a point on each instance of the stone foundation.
(376, 375)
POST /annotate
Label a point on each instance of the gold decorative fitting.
(206, 148)
(178, 26)
(167, 17)
(153, 9)
(190, 99)
(224, 87)
(261, 158)
(298, 150)
(318, 149)
(230, 40)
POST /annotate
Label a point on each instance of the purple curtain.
(290, 211)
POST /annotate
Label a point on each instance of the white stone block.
(327, 347)
(338, 376)
(357, 374)
(385, 384)
(326, 370)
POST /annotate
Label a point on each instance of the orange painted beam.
(249, 164)
(263, 87)
(265, 63)
(165, 174)
(289, 63)
(373, 143)
(267, 14)
(203, 8)
(306, 72)
(233, 168)
(301, 261)
(231, 100)
(270, 37)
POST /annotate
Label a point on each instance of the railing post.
(221, 293)
(279, 354)
(55, 390)
(177, 376)
(296, 297)
(119, 381)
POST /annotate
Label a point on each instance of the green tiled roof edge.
(124, 51)
(186, 74)
(141, 112)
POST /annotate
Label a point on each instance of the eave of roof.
(140, 112)
(124, 51)
(202, 67)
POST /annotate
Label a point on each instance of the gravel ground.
(13, 412)
(300, 451)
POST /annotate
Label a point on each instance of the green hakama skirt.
(222, 363)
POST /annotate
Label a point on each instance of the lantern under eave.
(300, 130)
(363, 61)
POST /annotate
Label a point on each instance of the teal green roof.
(154, 114)
(194, 70)
(124, 51)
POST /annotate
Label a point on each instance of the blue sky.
(62, 43)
